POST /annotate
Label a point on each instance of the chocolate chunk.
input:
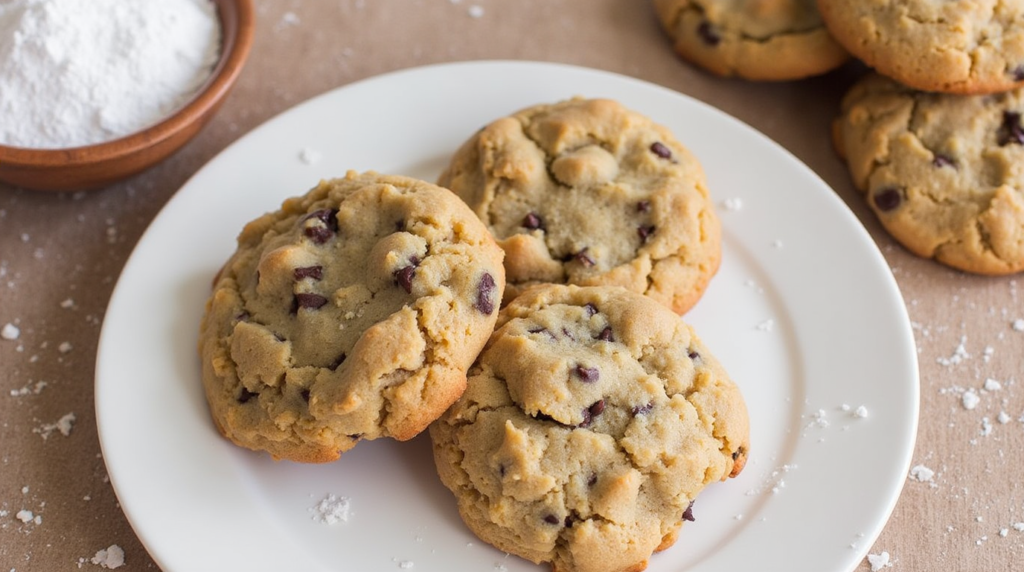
(309, 301)
(399, 225)
(941, 160)
(642, 409)
(483, 294)
(587, 374)
(532, 221)
(305, 395)
(403, 277)
(661, 150)
(708, 34)
(551, 519)
(590, 309)
(569, 519)
(314, 272)
(321, 234)
(246, 395)
(590, 412)
(1011, 130)
(645, 232)
(643, 207)
(318, 234)
(583, 258)
(887, 199)
(606, 335)
(337, 363)
(688, 513)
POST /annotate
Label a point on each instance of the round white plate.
(804, 314)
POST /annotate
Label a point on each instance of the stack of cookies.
(530, 318)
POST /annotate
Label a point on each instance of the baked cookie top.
(587, 192)
(944, 173)
(955, 46)
(752, 39)
(592, 419)
(353, 312)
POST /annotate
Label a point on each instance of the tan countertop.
(60, 256)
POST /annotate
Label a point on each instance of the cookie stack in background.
(934, 140)
(582, 429)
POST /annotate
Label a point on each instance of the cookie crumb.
(921, 473)
(879, 561)
(10, 332)
(732, 204)
(331, 510)
(110, 557)
(970, 399)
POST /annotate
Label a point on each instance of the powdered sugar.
(10, 332)
(331, 509)
(110, 557)
(922, 474)
(879, 561)
(64, 425)
(76, 73)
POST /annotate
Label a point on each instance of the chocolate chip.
(606, 335)
(693, 355)
(399, 225)
(305, 395)
(246, 395)
(337, 363)
(1018, 73)
(544, 331)
(592, 480)
(735, 455)
(356, 436)
(532, 221)
(590, 309)
(1011, 130)
(544, 417)
(941, 160)
(314, 272)
(645, 232)
(587, 374)
(643, 207)
(661, 150)
(642, 409)
(688, 513)
(483, 294)
(568, 334)
(583, 258)
(403, 277)
(309, 301)
(708, 34)
(887, 199)
(321, 234)
(551, 519)
(501, 470)
(243, 317)
(318, 234)
(590, 412)
(569, 519)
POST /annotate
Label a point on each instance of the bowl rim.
(234, 51)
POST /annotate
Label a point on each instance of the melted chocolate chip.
(309, 301)
(1018, 73)
(941, 160)
(483, 294)
(404, 276)
(318, 234)
(688, 513)
(592, 480)
(643, 207)
(501, 470)
(399, 225)
(587, 374)
(661, 150)
(606, 335)
(569, 519)
(246, 395)
(590, 309)
(693, 355)
(551, 519)
(1011, 130)
(887, 199)
(337, 363)
(642, 409)
(314, 272)
(583, 258)
(591, 412)
(708, 34)
(532, 221)
(305, 395)
(321, 234)
(645, 232)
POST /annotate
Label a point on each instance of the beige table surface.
(56, 248)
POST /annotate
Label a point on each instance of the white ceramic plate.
(804, 313)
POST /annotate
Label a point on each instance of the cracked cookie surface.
(588, 192)
(944, 173)
(591, 421)
(955, 46)
(351, 313)
(752, 39)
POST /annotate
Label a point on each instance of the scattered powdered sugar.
(767, 325)
(992, 385)
(732, 204)
(310, 156)
(1003, 532)
(959, 354)
(922, 474)
(773, 482)
(1003, 418)
(986, 427)
(110, 557)
(331, 510)
(64, 347)
(970, 399)
(31, 388)
(1019, 527)
(10, 332)
(476, 11)
(1018, 325)
(406, 564)
(67, 304)
(64, 425)
(879, 561)
(777, 243)
(26, 517)
(861, 412)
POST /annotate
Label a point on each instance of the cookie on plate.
(752, 39)
(592, 419)
(351, 313)
(955, 46)
(588, 192)
(944, 173)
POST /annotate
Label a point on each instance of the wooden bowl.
(101, 164)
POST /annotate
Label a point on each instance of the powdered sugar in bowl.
(93, 141)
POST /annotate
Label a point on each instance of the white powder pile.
(77, 73)
(332, 509)
(879, 561)
(10, 331)
(921, 473)
(110, 557)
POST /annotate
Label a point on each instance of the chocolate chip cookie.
(588, 192)
(752, 39)
(351, 313)
(944, 173)
(955, 46)
(592, 419)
